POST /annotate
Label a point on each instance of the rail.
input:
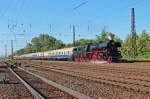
(31, 89)
(65, 89)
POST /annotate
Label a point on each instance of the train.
(102, 51)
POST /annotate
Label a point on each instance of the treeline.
(44, 42)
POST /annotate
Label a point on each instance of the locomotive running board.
(99, 62)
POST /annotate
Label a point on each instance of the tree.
(36, 44)
(84, 42)
(43, 42)
(59, 44)
(143, 45)
(20, 52)
(125, 49)
(104, 36)
(28, 48)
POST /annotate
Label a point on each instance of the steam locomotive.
(104, 51)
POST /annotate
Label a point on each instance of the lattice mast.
(133, 34)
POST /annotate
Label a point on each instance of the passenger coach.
(60, 54)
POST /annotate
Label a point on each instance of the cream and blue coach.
(59, 54)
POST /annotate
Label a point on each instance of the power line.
(81, 4)
(5, 11)
(20, 9)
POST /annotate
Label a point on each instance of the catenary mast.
(133, 34)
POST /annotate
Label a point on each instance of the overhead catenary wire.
(20, 9)
(5, 11)
(12, 5)
(81, 4)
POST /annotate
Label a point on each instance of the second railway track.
(125, 82)
(95, 81)
(43, 88)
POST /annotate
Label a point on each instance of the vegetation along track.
(134, 83)
(43, 88)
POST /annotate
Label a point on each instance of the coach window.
(75, 49)
(67, 52)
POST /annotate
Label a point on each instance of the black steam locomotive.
(104, 51)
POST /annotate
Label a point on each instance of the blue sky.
(33, 17)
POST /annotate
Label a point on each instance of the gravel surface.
(49, 92)
(135, 75)
(11, 87)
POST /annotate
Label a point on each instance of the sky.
(21, 20)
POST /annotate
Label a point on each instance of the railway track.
(11, 87)
(115, 69)
(43, 88)
(134, 84)
(127, 73)
(126, 70)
